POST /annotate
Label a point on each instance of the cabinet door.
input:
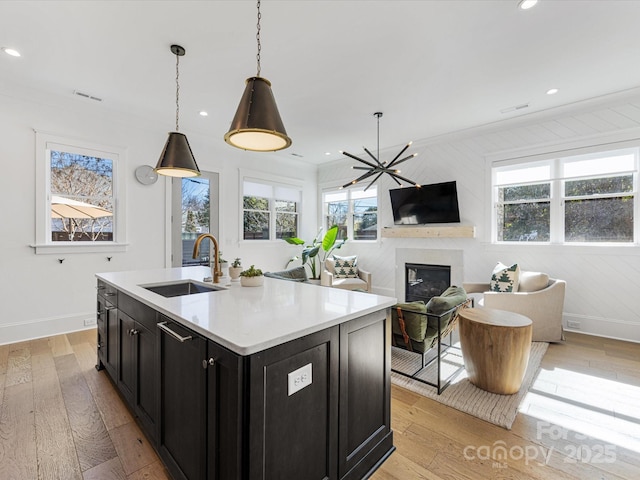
(146, 394)
(225, 404)
(366, 438)
(110, 357)
(183, 419)
(127, 363)
(101, 315)
(293, 434)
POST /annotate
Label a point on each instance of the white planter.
(252, 281)
(234, 272)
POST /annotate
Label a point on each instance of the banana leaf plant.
(318, 250)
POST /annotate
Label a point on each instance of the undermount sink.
(177, 289)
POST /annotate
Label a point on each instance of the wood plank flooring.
(61, 419)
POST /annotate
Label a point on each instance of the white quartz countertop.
(247, 320)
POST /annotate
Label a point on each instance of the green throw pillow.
(415, 319)
(451, 297)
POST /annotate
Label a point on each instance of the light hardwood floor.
(61, 419)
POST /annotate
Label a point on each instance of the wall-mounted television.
(434, 203)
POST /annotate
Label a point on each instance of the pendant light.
(257, 125)
(380, 167)
(176, 159)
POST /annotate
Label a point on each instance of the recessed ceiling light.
(204, 114)
(11, 51)
(327, 153)
(526, 4)
(552, 91)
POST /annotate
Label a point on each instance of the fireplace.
(424, 281)
(453, 259)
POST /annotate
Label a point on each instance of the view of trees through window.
(595, 199)
(81, 197)
(354, 211)
(196, 213)
(269, 211)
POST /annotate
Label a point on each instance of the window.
(77, 196)
(354, 210)
(579, 199)
(269, 211)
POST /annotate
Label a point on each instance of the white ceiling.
(432, 67)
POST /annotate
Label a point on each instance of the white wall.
(602, 282)
(41, 296)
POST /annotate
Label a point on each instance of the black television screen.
(435, 203)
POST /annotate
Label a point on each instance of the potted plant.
(223, 264)
(252, 277)
(318, 250)
(235, 269)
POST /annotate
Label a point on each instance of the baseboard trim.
(44, 327)
(628, 331)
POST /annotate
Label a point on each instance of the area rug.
(461, 394)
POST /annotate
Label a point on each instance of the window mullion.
(556, 233)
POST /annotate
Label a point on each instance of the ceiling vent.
(86, 95)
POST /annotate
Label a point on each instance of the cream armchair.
(543, 306)
(328, 278)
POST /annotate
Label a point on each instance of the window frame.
(43, 243)
(350, 210)
(558, 197)
(272, 182)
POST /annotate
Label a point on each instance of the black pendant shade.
(176, 159)
(257, 125)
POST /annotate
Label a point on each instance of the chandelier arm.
(360, 178)
(378, 169)
(360, 159)
(408, 157)
(404, 179)
(372, 156)
(372, 181)
(400, 153)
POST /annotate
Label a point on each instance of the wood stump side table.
(495, 348)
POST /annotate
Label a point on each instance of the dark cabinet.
(182, 442)
(138, 363)
(301, 425)
(313, 408)
(107, 322)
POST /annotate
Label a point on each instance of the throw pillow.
(505, 279)
(345, 267)
(532, 281)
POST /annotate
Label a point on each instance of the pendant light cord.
(177, 92)
(258, 39)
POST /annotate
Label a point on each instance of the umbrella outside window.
(65, 208)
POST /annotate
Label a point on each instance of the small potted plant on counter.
(251, 277)
(235, 269)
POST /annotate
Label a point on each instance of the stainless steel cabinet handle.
(163, 326)
(109, 294)
(109, 308)
(133, 331)
(206, 363)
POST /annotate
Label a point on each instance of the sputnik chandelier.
(380, 167)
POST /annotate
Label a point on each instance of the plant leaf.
(294, 240)
(330, 238)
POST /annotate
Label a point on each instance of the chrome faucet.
(213, 259)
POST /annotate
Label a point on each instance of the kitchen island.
(286, 380)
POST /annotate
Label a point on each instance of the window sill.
(579, 248)
(52, 249)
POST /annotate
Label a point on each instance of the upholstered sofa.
(328, 278)
(537, 296)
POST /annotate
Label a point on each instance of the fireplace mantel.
(454, 231)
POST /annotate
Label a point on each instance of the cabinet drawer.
(107, 291)
(138, 311)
